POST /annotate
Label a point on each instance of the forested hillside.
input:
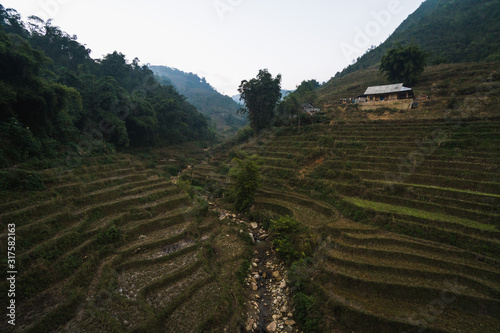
(220, 108)
(452, 31)
(55, 100)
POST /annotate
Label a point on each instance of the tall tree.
(404, 64)
(65, 51)
(11, 23)
(245, 182)
(289, 108)
(306, 93)
(260, 96)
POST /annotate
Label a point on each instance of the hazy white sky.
(227, 41)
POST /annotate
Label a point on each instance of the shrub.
(172, 170)
(209, 254)
(246, 238)
(453, 102)
(201, 208)
(21, 180)
(109, 236)
(307, 298)
(242, 272)
(245, 182)
(263, 216)
(21, 142)
(292, 240)
(244, 134)
(306, 311)
(70, 264)
(222, 168)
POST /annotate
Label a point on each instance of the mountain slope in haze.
(220, 108)
(453, 31)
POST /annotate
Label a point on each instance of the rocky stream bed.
(269, 304)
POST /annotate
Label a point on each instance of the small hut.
(394, 96)
(309, 109)
(390, 92)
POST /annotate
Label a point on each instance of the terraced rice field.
(409, 215)
(406, 214)
(115, 246)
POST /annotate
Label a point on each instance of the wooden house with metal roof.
(392, 96)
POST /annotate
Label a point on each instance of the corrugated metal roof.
(391, 88)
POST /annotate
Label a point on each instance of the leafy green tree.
(19, 139)
(289, 108)
(292, 240)
(10, 21)
(115, 65)
(114, 106)
(260, 96)
(142, 124)
(306, 93)
(245, 182)
(62, 48)
(45, 108)
(404, 64)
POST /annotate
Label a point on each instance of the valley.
(403, 245)
(400, 211)
(138, 198)
(404, 215)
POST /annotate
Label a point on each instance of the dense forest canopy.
(54, 97)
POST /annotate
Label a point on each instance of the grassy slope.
(390, 249)
(98, 248)
(414, 234)
(447, 85)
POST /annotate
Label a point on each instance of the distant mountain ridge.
(220, 108)
(453, 31)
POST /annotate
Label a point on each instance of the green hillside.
(469, 88)
(403, 206)
(115, 246)
(451, 30)
(401, 210)
(220, 108)
(120, 213)
(57, 102)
